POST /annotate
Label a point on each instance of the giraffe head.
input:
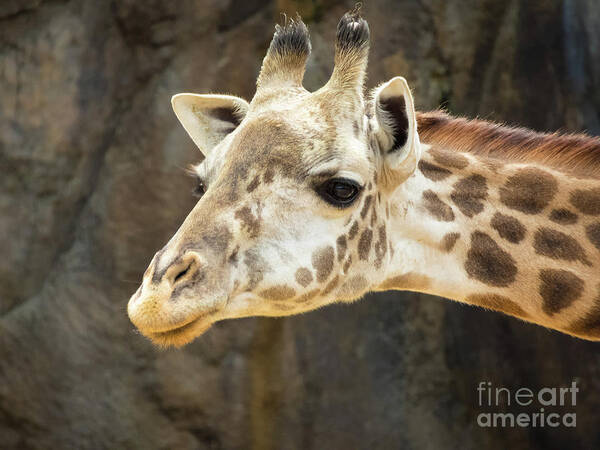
(293, 210)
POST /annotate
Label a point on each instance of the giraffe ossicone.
(317, 197)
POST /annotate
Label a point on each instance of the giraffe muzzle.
(161, 307)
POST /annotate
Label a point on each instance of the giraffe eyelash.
(201, 186)
(191, 170)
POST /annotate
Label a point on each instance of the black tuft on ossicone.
(352, 30)
(291, 38)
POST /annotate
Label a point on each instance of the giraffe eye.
(200, 189)
(340, 192)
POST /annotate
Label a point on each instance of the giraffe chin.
(180, 336)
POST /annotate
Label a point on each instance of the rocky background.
(91, 185)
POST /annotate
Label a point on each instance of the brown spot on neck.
(410, 281)
(559, 289)
(508, 228)
(437, 208)
(586, 201)
(488, 263)
(563, 216)
(491, 163)
(469, 194)
(530, 190)
(448, 158)
(497, 303)
(448, 241)
(557, 245)
(593, 234)
(588, 326)
(433, 172)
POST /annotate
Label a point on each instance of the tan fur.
(544, 268)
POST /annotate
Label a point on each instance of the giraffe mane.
(576, 154)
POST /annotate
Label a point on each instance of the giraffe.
(311, 198)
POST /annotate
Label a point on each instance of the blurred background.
(92, 185)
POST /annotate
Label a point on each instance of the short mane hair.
(575, 154)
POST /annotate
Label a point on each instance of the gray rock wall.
(91, 186)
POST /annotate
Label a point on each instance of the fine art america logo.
(525, 408)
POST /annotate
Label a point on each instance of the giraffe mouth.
(180, 335)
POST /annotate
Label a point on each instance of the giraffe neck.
(514, 237)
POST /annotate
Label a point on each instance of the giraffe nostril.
(183, 268)
(182, 273)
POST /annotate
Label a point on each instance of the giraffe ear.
(396, 128)
(209, 118)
